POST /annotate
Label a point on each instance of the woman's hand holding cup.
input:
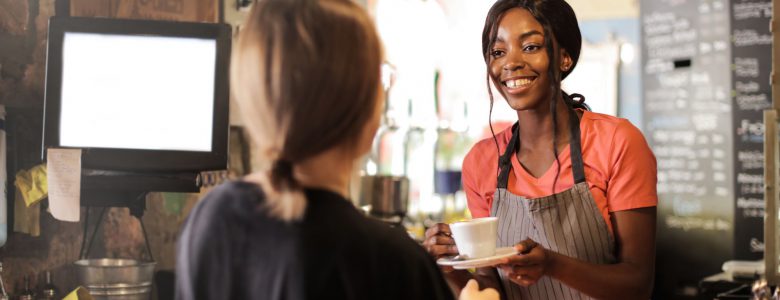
(439, 243)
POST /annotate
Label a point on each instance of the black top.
(231, 249)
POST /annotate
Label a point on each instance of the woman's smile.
(517, 85)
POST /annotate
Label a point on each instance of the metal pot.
(110, 278)
(387, 195)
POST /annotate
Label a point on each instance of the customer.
(306, 75)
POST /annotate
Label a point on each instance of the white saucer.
(478, 262)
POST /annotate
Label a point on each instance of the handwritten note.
(64, 172)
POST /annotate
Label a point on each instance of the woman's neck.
(330, 170)
(536, 128)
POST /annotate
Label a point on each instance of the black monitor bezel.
(133, 159)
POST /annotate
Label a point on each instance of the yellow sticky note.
(80, 293)
(32, 184)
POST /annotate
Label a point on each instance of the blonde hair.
(306, 75)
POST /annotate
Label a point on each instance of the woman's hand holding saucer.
(529, 265)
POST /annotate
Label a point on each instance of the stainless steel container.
(387, 195)
(116, 279)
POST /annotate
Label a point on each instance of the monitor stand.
(105, 189)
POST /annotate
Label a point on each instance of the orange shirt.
(620, 169)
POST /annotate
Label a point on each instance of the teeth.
(517, 82)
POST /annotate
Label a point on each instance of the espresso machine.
(387, 196)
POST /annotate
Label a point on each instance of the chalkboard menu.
(751, 50)
(688, 123)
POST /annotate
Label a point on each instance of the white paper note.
(63, 168)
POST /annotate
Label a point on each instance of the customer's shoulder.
(229, 197)
(235, 189)
(395, 243)
(397, 254)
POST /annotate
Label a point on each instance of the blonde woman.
(306, 75)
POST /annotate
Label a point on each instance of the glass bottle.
(49, 290)
(27, 293)
(451, 148)
(388, 149)
(760, 290)
(447, 174)
(389, 145)
(3, 294)
(419, 146)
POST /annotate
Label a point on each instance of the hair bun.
(282, 171)
(579, 98)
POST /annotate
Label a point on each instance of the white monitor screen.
(137, 92)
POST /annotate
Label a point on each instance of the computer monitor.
(138, 95)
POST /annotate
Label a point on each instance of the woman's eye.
(496, 53)
(531, 48)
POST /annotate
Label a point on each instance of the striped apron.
(568, 222)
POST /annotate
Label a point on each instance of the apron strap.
(577, 167)
(505, 160)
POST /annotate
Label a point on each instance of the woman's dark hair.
(561, 31)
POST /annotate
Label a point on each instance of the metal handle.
(770, 196)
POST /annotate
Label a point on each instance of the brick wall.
(22, 69)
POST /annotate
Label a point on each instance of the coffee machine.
(387, 196)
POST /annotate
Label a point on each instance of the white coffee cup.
(476, 238)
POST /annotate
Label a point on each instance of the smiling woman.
(523, 77)
(576, 185)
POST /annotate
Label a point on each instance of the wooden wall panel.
(14, 16)
(91, 8)
(172, 10)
